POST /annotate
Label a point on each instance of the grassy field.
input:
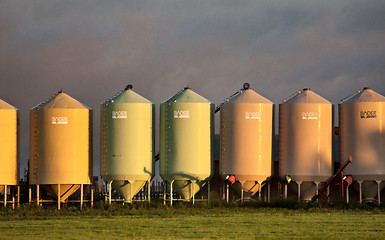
(141, 221)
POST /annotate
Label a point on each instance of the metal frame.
(39, 201)
(360, 190)
(299, 183)
(14, 201)
(192, 190)
(108, 197)
(248, 198)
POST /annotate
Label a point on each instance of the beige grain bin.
(362, 135)
(9, 161)
(305, 141)
(60, 145)
(127, 142)
(246, 140)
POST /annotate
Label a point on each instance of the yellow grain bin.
(305, 140)
(127, 142)
(246, 139)
(9, 161)
(60, 145)
(186, 141)
(362, 136)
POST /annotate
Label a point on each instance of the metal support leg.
(360, 187)
(171, 192)
(268, 191)
(347, 194)
(29, 194)
(37, 195)
(92, 196)
(260, 191)
(241, 191)
(164, 192)
(299, 191)
(5, 195)
(285, 191)
(227, 193)
(316, 187)
(58, 197)
(379, 192)
(149, 191)
(131, 197)
(18, 195)
(208, 192)
(342, 188)
(105, 191)
(224, 192)
(109, 192)
(81, 196)
(193, 190)
(13, 197)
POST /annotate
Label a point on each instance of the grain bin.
(9, 160)
(362, 124)
(305, 141)
(186, 142)
(246, 140)
(127, 142)
(60, 146)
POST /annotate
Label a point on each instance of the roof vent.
(246, 85)
(128, 87)
(306, 89)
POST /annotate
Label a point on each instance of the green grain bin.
(186, 141)
(127, 142)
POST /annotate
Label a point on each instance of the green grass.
(217, 221)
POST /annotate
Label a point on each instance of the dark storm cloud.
(92, 49)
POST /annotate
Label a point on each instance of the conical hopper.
(369, 189)
(124, 188)
(66, 190)
(308, 190)
(250, 188)
(186, 188)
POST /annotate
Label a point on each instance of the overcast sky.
(93, 49)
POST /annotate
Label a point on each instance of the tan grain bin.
(246, 139)
(9, 161)
(305, 138)
(362, 135)
(60, 145)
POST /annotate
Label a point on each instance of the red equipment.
(338, 179)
